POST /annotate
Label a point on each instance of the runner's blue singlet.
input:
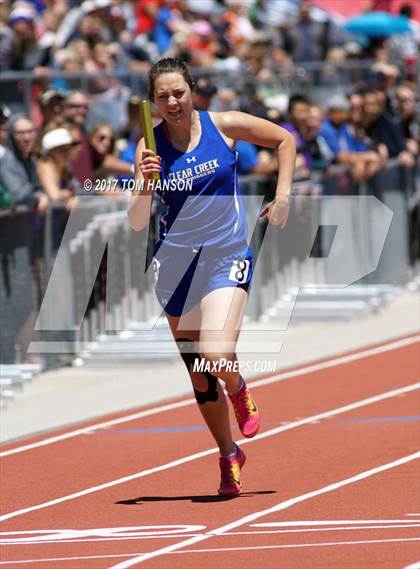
(211, 212)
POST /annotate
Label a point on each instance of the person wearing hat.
(19, 49)
(54, 169)
(341, 145)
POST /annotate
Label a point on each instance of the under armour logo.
(192, 159)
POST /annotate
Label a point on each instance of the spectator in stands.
(50, 21)
(54, 168)
(66, 60)
(334, 60)
(4, 124)
(283, 62)
(6, 199)
(92, 29)
(315, 153)
(203, 94)
(101, 65)
(381, 129)
(251, 158)
(51, 104)
(203, 42)
(239, 27)
(307, 39)
(132, 131)
(406, 46)
(297, 118)
(383, 80)
(356, 122)
(81, 50)
(257, 14)
(18, 43)
(256, 57)
(254, 161)
(342, 143)
(227, 100)
(170, 19)
(102, 137)
(405, 99)
(76, 108)
(146, 11)
(18, 165)
(356, 112)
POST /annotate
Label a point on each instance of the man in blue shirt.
(342, 146)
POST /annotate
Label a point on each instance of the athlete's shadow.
(196, 499)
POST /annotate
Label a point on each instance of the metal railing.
(21, 89)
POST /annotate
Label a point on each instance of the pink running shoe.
(230, 468)
(246, 411)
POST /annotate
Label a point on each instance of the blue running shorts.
(184, 276)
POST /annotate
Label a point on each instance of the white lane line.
(277, 508)
(412, 514)
(319, 529)
(12, 542)
(291, 545)
(329, 523)
(102, 425)
(119, 555)
(197, 455)
(78, 558)
(415, 565)
(184, 403)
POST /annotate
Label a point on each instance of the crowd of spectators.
(106, 38)
(112, 34)
(72, 134)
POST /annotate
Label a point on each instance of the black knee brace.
(185, 347)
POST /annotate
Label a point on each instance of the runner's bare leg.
(215, 413)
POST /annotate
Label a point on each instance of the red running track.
(332, 480)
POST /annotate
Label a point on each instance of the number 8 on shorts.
(239, 271)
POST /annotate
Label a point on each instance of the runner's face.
(172, 96)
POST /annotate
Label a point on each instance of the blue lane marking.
(373, 419)
(154, 430)
(204, 428)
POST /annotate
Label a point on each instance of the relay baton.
(149, 137)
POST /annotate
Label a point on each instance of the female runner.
(202, 261)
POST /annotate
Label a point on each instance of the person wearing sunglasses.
(76, 109)
(102, 137)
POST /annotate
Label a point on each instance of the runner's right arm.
(146, 163)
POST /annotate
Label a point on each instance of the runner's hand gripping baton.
(149, 137)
